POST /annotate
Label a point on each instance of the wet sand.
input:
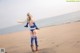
(54, 39)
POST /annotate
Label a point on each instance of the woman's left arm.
(36, 26)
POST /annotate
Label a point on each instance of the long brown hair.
(29, 17)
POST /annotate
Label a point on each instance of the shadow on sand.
(45, 50)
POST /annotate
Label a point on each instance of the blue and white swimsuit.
(33, 27)
(33, 38)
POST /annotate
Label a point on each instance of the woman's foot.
(36, 48)
(32, 48)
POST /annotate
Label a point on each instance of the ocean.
(52, 21)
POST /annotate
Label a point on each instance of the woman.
(33, 29)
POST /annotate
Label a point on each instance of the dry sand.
(54, 39)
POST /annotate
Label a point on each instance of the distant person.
(30, 23)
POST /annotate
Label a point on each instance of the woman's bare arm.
(22, 21)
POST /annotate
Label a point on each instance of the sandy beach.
(63, 38)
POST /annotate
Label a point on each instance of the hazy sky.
(11, 10)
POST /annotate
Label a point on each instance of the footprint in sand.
(78, 41)
(77, 44)
(53, 43)
(57, 45)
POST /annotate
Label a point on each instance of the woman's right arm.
(22, 21)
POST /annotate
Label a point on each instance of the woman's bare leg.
(34, 38)
(32, 46)
(36, 42)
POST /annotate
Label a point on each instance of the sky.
(12, 10)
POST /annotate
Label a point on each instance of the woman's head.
(29, 17)
(28, 14)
